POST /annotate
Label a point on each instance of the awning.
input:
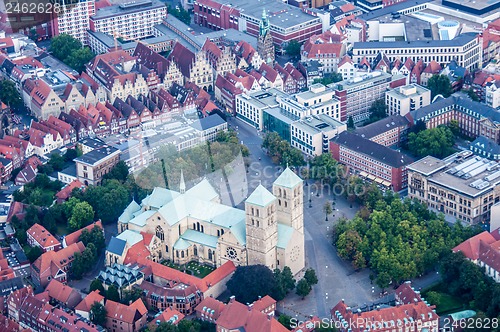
(371, 177)
(386, 183)
(378, 180)
(363, 174)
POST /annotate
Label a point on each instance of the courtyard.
(193, 268)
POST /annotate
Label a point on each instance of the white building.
(407, 98)
(493, 94)
(74, 21)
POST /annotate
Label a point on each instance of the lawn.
(193, 268)
(448, 303)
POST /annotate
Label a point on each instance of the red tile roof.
(405, 294)
(470, 248)
(74, 237)
(268, 72)
(327, 43)
(237, 316)
(210, 308)
(63, 293)
(50, 262)
(65, 192)
(90, 299)
(433, 68)
(42, 236)
(171, 315)
(183, 57)
(129, 314)
(264, 303)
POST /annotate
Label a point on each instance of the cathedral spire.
(182, 184)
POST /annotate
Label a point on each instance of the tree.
(350, 123)
(78, 58)
(56, 161)
(303, 288)
(285, 320)
(434, 141)
(472, 95)
(454, 126)
(82, 214)
(434, 298)
(98, 314)
(180, 13)
(440, 85)
(378, 111)
(329, 79)
(118, 172)
(96, 284)
(327, 209)
(250, 282)
(78, 267)
(167, 327)
(130, 296)
(8, 93)
(95, 236)
(284, 282)
(311, 277)
(112, 293)
(33, 253)
(293, 48)
(63, 45)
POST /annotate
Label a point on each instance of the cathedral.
(265, 46)
(193, 225)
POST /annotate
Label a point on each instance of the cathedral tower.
(289, 191)
(261, 228)
(265, 46)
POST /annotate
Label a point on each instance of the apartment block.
(389, 131)
(465, 49)
(129, 20)
(75, 20)
(405, 99)
(492, 94)
(92, 166)
(463, 186)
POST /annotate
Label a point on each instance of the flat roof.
(460, 40)
(414, 27)
(96, 155)
(397, 91)
(263, 98)
(473, 4)
(229, 34)
(318, 123)
(127, 8)
(280, 14)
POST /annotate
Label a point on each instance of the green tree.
(167, 327)
(303, 288)
(130, 296)
(434, 141)
(378, 111)
(112, 293)
(78, 58)
(98, 314)
(472, 95)
(434, 298)
(250, 282)
(293, 48)
(311, 277)
(78, 267)
(33, 253)
(70, 154)
(9, 94)
(329, 79)
(440, 85)
(95, 236)
(56, 161)
(350, 123)
(327, 209)
(96, 284)
(63, 45)
(82, 214)
(285, 320)
(454, 127)
(180, 13)
(118, 172)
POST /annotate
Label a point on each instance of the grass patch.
(447, 302)
(193, 268)
(62, 230)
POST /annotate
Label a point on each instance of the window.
(159, 233)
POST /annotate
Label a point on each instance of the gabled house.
(63, 295)
(221, 59)
(289, 84)
(300, 80)
(247, 56)
(41, 99)
(38, 236)
(273, 79)
(433, 68)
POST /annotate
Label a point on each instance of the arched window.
(284, 193)
(221, 232)
(286, 204)
(159, 233)
(195, 250)
(218, 233)
(177, 253)
(209, 254)
(198, 226)
(194, 226)
(182, 254)
(258, 224)
(166, 248)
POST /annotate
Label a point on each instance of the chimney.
(231, 299)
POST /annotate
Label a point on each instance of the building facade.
(265, 46)
(92, 166)
(75, 20)
(405, 99)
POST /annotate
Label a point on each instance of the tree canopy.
(9, 94)
(437, 142)
(378, 111)
(303, 288)
(398, 240)
(281, 151)
(180, 13)
(293, 48)
(440, 85)
(329, 79)
(98, 314)
(71, 51)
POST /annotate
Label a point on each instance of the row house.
(41, 99)
(145, 115)
(293, 81)
(63, 295)
(36, 313)
(272, 78)
(228, 87)
(247, 56)
(13, 148)
(128, 318)
(29, 172)
(474, 118)
(54, 265)
(221, 60)
(79, 127)
(491, 41)
(160, 71)
(65, 130)
(38, 236)
(94, 117)
(22, 69)
(114, 71)
(195, 68)
(131, 117)
(300, 80)
(481, 80)
(5, 170)
(42, 140)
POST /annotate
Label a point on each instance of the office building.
(465, 49)
(92, 166)
(286, 22)
(75, 21)
(463, 186)
(407, 98)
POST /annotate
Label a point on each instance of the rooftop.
(463, 172)
(95, 156)
(382, 126)
(127, 8)
(318, 123)
(460, 40)
(261, 197)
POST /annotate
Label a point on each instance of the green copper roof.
(131, 237)
(261, 197)
(288, 179)
(181, 244)
(200, 238)
(203, 190)
(129, 211)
